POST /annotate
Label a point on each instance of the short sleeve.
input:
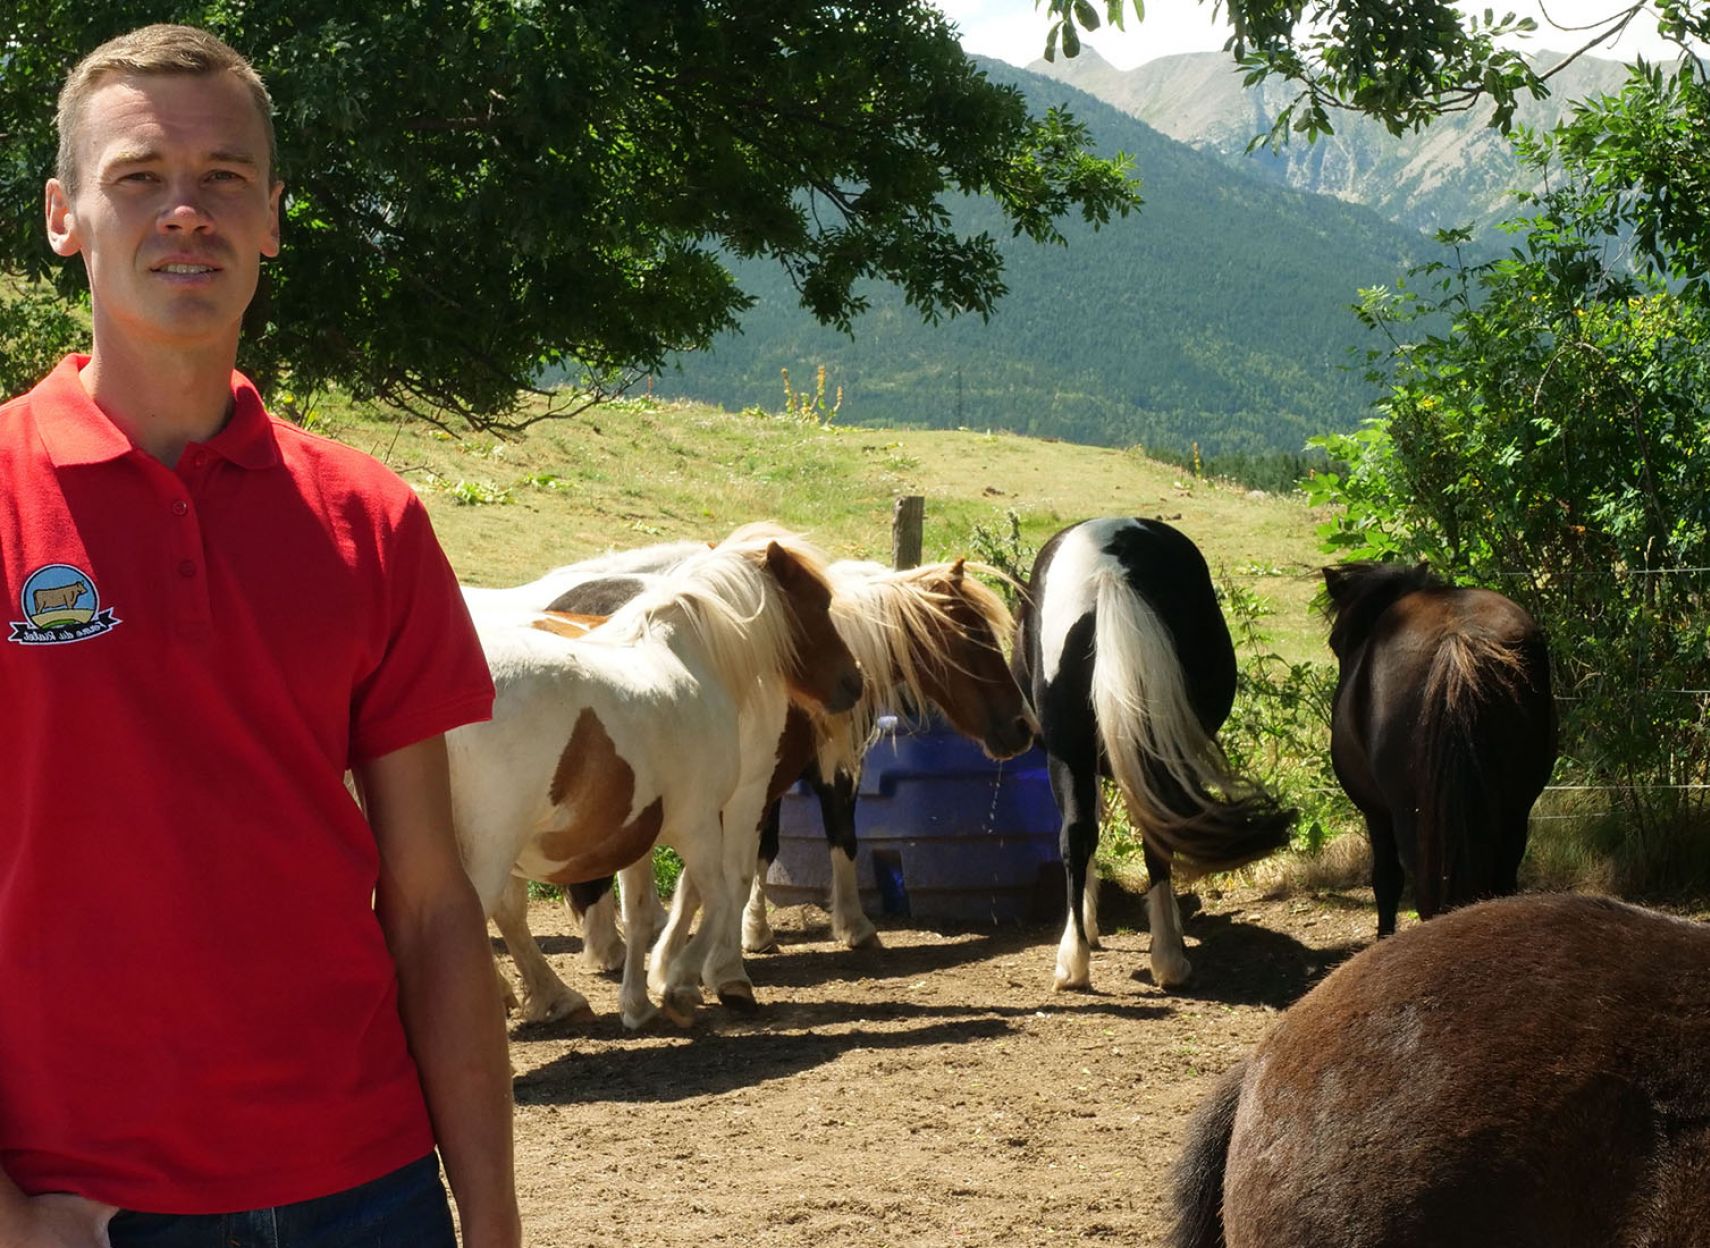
(430, 675)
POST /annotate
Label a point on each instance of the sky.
(1014, 31)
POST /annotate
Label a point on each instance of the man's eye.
(138, 176)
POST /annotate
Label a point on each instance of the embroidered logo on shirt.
(61, 605)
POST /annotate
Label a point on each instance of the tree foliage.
(483, 190)
(1554, 442)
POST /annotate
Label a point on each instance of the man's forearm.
(449, 998)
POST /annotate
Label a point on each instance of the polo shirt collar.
(76, 432)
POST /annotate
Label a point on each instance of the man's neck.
(160, 397)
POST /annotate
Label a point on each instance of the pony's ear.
(956, 572)
(1333, 578)
(781, 563)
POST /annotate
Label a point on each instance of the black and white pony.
(1125, 654)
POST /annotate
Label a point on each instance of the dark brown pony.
(1443, 732)
(1526, 1073)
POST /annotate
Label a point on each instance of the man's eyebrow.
(143, 155)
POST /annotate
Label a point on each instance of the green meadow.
(640, 471)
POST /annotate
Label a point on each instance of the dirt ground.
(932, 1092)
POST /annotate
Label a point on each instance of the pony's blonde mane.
(729, 601)
(884, 615)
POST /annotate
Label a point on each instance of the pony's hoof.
(1063, 981)
(680, 1005)
(859, 936)
(1171, 972)
(574, 1008)
(636, 1019)
(738, 996)
(760, 944)
(603, 961)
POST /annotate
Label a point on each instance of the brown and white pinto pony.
(1532, 1072)
(1443, 730)
(638, 733)
(925, 637)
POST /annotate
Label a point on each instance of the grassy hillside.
(642, 471)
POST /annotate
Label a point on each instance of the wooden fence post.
(907, 520)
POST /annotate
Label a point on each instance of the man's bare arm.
(447, 991)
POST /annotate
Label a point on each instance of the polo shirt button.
(180, 507)
(187, 568)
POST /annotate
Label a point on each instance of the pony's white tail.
(1180, 793)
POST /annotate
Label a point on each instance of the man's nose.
(185, 211)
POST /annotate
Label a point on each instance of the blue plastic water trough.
(944, 833)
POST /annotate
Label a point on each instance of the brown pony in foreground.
(1443, 731)
(1526, 1073)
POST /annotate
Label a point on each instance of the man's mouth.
(186, 269)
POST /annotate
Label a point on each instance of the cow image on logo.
(61, 596)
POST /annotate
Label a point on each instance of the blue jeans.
(404, 1209)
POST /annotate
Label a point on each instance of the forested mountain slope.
(1217, 315)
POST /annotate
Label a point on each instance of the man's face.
(173, 210)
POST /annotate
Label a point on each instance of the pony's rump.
(1530, 1072)
(1187, 802)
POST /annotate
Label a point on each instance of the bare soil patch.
(932, 1092)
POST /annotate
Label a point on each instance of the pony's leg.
(1170, 966)
(1089, 908)
(721, 966)
(757, 934)
(702, 852)
(507, 994)
(1076, 788)
(633, 1003)
(545, 996)
(685, 903)
(1386, 871)
(849, 923)
(602, 945)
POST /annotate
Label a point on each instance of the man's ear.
(270, 248)
(61, 222)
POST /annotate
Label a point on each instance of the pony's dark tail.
(1180, 792)
(1458, 805)
(1197, 1183)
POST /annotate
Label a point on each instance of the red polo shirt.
(198, 1012)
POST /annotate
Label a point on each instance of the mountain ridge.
(1457, 171)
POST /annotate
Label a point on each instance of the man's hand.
(59, 1222)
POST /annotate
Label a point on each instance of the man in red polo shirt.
(233, 1010)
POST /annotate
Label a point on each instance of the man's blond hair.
(159, 49)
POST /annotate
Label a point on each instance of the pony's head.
(955, 648)
(1360, 592)
(823, 672)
